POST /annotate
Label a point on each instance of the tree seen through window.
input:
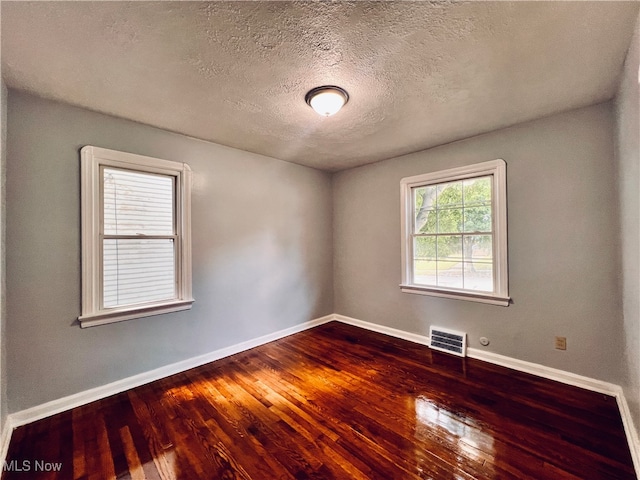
(453, 235)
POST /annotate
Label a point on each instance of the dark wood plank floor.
(333, 402)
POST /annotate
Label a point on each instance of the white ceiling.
(419, 74)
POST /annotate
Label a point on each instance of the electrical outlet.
(561, 343)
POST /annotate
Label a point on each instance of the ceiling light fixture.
(327, 100)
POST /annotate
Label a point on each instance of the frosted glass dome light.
(327, 100)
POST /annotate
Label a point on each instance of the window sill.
(128, 313)
(458, 295)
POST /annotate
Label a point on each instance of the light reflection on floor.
(167, 465)
(474, 445)
(432, 419)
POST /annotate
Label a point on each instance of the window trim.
(92, 161)
(495, 168)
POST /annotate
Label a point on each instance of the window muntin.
(136, 244)
(454, 233)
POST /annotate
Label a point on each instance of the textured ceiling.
(419, 74)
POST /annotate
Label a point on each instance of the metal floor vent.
(448, 341)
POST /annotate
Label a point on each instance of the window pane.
(424, 248)
(450, 220)
(478, 248)
(424, 260)
(450, 274)
(478, 276)
(477, 219)
(449, 194)
(137, 203)
(137, 271)
(477, 191)
(424, 272)
(449, 263)
(424, 204)
(450, 248)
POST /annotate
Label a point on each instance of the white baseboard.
(53, 407)
(496, 359)
(549, 373)
(374, 327)
(630, 430)
(531, 368)
(5, 440)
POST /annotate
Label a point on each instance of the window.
(454, 233)
(136, 239)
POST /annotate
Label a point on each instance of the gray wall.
(563, 244)
(265, 248)
(628, 155)
(262, 252)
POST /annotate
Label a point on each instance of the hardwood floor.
(333, 402)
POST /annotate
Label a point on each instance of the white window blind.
(138, 237)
